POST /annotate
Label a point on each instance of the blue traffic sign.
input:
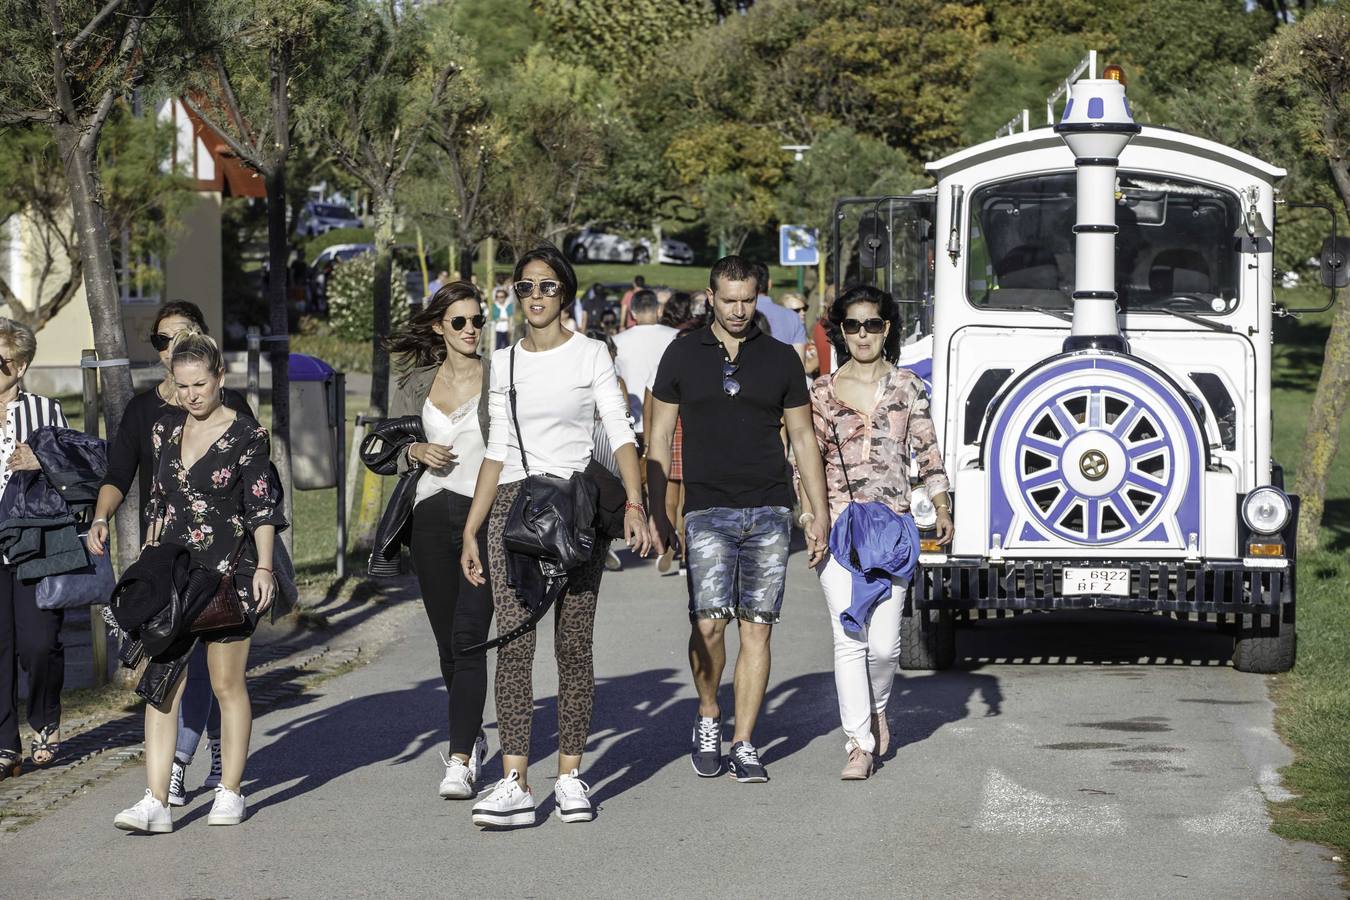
(797, 246)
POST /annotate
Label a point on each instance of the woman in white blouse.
(562, 380)
(444, 387)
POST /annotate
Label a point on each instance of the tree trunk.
(278, 251)
(466, 263)
(372, 488)
(101, 292)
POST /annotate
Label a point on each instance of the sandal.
(43, 743)
(11, 764)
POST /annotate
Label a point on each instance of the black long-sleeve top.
(131, 455)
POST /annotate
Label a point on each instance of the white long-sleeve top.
(558, 394)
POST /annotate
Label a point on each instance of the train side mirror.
(874, 243)
(1335, 273)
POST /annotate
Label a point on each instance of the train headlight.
(1266, 510)
(922, 508)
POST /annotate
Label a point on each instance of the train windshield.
(1176, 247)
(887, 242)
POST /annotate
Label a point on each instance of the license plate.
(1111, 582)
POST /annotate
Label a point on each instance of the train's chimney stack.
(1097, 124)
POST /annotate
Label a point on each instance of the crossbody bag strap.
(843, 465)
(520, 438)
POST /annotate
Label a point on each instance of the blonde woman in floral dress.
(213, 493)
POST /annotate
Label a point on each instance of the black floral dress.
(219, 501)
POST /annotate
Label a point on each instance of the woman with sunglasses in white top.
(444, 387)
(561, 379)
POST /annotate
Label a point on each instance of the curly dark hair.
(888, 310)
(418, 344)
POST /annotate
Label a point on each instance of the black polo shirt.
(733, 455)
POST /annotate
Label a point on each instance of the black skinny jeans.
(30, 637)
(460, 613)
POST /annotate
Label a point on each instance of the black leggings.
(460, 613)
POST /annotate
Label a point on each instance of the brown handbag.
(223, 610)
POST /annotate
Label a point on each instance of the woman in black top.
(129, 458)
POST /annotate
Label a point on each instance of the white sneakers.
(228, 808)
(149, 816)
(506, 805)
(461, 778)
(570, 794)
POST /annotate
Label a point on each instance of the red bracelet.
(638, 506)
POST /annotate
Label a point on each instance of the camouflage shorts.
(737, 562)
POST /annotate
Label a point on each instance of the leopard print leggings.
(574, 621)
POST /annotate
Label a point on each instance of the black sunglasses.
(5, 363)
(160, 342)
(872, 326)
(730, 386)
(547, 288)
(457, 322)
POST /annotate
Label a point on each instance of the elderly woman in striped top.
(29, 636)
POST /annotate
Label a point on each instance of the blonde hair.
(192, 345)
(19, 338)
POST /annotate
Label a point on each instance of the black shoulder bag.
(552, 517)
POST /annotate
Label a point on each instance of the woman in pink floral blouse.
(212, 492)
(877, 413)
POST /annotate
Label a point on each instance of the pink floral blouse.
(877, 449)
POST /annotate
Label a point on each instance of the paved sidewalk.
(1067, 756)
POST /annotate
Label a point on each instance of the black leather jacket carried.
(39, 509)
(381, 451)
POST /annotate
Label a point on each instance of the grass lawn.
(1313, 701)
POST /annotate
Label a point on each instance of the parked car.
(319, 218)
(593, 245)
(405, 257)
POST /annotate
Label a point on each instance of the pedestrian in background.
(444, 386)
(784, 324)
(29, 637)
(678, 314)
(503, 315)
(870, 417)
(625, 312)
(639, 352)
(442, 277)
(558, 380)
(214, 494)
(794, 302)
(131, 458)
(733, 387)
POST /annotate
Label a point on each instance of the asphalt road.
(1068, 756)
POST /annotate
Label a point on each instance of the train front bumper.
(1201, 586)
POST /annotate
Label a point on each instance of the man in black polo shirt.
(733, 387)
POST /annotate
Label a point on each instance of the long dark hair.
(888, 310)
(679, 310)
(418, 344)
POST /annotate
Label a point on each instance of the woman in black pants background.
(444, 386)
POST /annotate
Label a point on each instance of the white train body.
(1092, 306)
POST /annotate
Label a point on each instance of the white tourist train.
(1092, 305)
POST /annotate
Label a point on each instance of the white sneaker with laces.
(213, 779)
(228, 808)
(507, 805)
(458, 781)
(148, 816)
(570, 794)
(177, 793)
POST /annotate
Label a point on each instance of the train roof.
(1150, 136)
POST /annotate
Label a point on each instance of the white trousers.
(864, 664)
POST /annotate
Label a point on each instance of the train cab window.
(1175, 248)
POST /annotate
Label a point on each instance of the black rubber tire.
(641, 257)
(927, 639)
(1264, 651)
